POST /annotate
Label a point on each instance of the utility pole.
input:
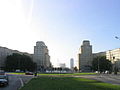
(115, 67)
(98, 66)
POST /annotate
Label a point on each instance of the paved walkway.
(108, 78)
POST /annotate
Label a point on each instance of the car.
(2, 72)
(17, 70)
(4, 80)
(29, 73)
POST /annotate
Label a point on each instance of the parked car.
(29, 73)
(2, 72)
(4, 80)
(17, 70)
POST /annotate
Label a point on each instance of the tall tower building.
(71, 63)
(41, 55)
(85, 56)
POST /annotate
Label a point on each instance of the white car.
(4, 80)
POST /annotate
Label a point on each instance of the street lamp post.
(117, 37)
(115, 67)
(98, 66)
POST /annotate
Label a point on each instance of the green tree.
(75, 69)
(101, 64)
(18, 61)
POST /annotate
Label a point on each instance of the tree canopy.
(18, 61)
(101, 64)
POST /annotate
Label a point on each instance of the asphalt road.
(107, 78)
(16, 81)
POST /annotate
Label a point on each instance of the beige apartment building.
(41, 55)
(114, 56)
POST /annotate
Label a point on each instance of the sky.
(61, 24)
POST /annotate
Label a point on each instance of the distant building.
(71, 63)
(85, 56)
(4, 52)
(62, 65)
(41, 55)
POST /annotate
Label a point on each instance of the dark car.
(2, 72)
(29, 73)
(4, 80)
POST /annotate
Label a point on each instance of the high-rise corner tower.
(41, 55)
(85, 56)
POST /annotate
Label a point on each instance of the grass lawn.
(49, 74)
(17, 73)
(67, 83)
(67, 74)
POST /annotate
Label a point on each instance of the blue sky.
(71, 21)
(61, 24)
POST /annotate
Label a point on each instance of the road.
(16, 81)
(107, 78)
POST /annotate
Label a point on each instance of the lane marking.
(21, 81)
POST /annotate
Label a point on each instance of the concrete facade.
(41, 55)
(85, 56)
(62, 65)
(4, 52)
(114, 56)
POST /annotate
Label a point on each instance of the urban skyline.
(42, 58)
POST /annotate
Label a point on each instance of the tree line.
(101, 64)
(25, 63)
(17, 61)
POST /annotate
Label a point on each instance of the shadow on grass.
(67, 83)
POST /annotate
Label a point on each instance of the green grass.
(49, 74)
(17, 73)
(67, 83)
(54, 74)
(67, 74)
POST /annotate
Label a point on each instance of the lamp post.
(98, 66)
(115, 67)
(117, 37)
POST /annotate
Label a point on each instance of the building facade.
(41, 55)
(85, 56)
(62, 65)
(4, 52)
(114, 57)
(71, 63)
